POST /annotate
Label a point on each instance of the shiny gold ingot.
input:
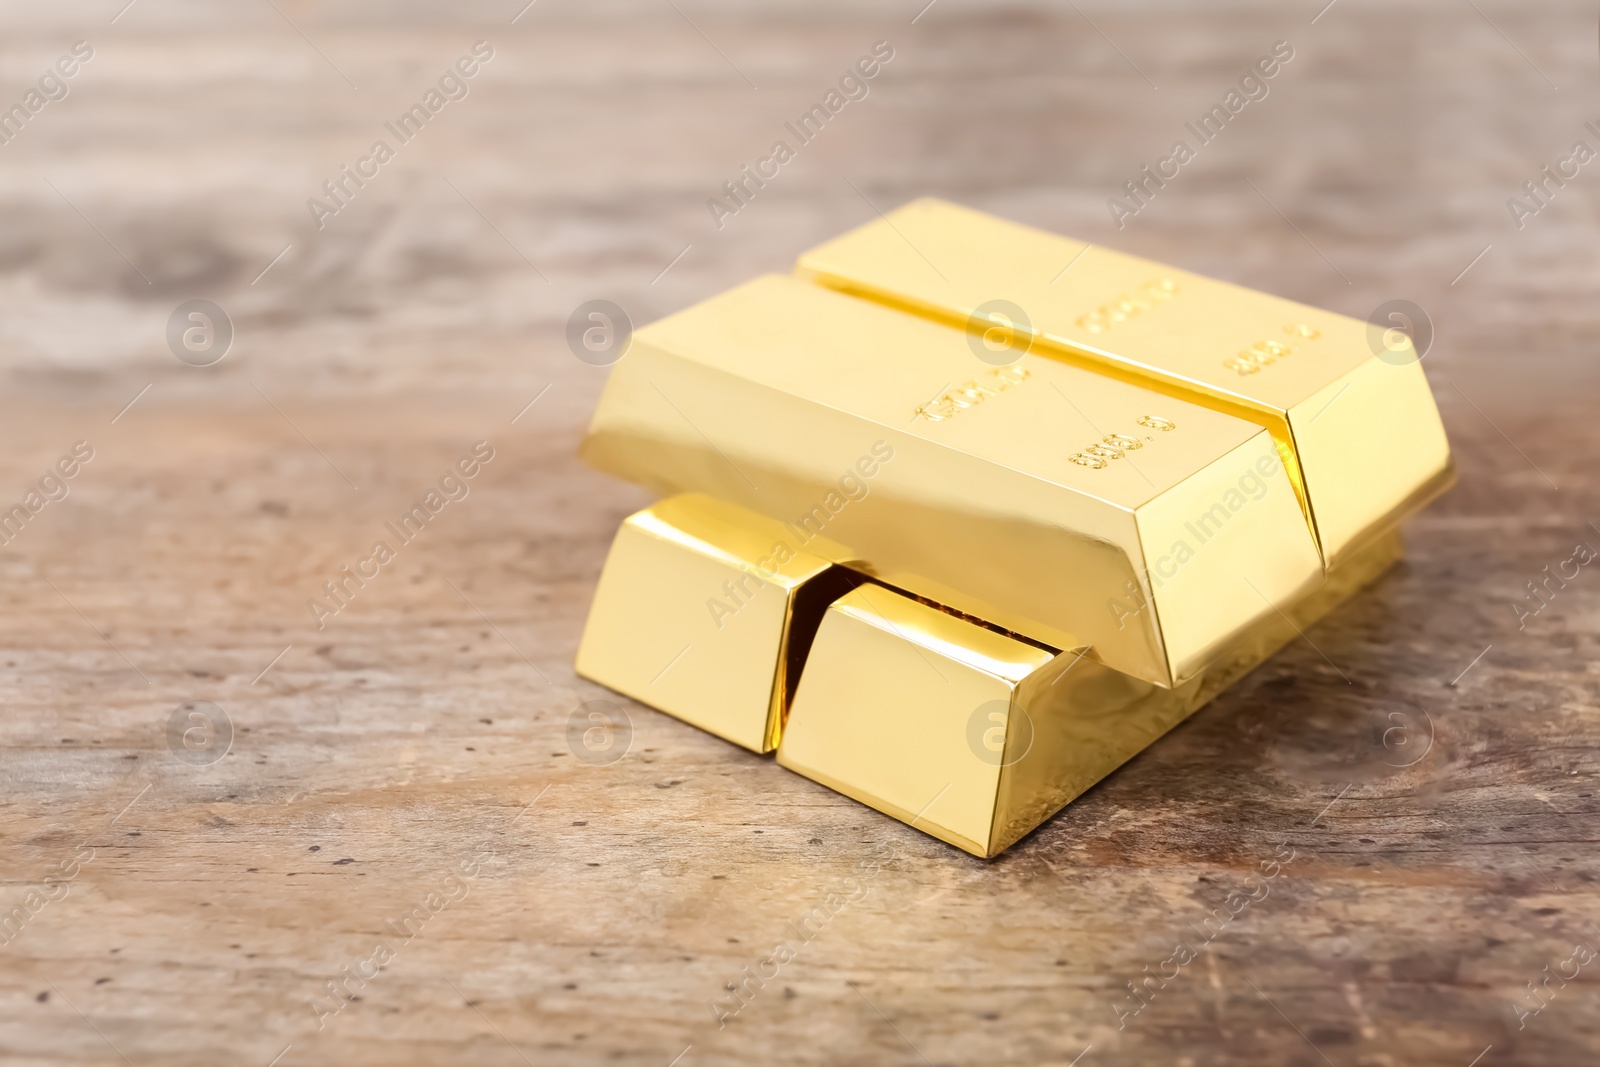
(1359, 434)
(701, 614)
(906, 708)
(808, 406)
(977, 737)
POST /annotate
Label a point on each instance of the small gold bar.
(914, 711)
(705, 611)
(813, 409)
(976, 736)
(1356, 424)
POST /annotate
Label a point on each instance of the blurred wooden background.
(194, 912)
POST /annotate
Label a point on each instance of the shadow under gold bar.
(1355, 422)
(802, 404)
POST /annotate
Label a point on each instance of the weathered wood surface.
(426, 725)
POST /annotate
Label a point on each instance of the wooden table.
(1429, 765)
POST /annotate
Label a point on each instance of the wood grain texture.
(427, 723)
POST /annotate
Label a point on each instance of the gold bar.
(890, 702)
(1359, 434)
(703, 613)
(1047, 499)
(975, 736)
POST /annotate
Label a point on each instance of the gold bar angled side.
(1354, 417)
(806, 406)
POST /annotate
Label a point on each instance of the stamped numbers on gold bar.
(952, 402)
(1265, 353)
(1117, 446)
(1151, 293)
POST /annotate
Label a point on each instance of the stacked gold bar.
(963, 515)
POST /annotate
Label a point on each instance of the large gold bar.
(1355, 422)
(810, 407)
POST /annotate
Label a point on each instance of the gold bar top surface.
(1360, 431)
